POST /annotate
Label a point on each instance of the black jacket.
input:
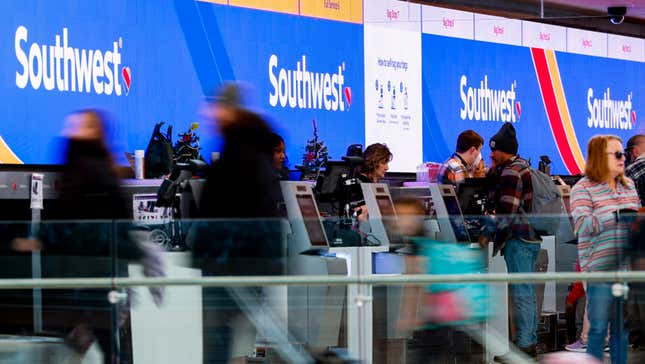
(93, 219)
(241, 202)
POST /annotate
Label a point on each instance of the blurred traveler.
(445, 317)
(88, 236)
(242, 234)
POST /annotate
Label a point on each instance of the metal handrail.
(324, 280)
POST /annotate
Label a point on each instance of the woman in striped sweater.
(595, 201)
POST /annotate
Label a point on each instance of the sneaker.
(578, 347)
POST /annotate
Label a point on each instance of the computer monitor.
(382, 215)
(473, 196)
(328, 184)
(311, 219)
(451, 221)
(307, 231)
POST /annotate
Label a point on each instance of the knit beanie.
(505, 140)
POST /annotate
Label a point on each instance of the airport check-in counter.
(31, 194)
(24, 192)
(314, 313)
(319, 325)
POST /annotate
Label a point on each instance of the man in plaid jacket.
(512, 196)
(636, 169)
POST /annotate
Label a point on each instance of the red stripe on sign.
(552, 110)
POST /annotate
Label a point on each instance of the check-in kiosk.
(316, 320)
(382, 217)
(314, 313)
(379, 315)
(452, 226)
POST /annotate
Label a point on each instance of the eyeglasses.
(618, 155)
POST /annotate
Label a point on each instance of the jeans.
(520, 257)
(601, 310)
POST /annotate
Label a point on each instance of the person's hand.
(483, 241)
(362, 213)
(157, 293)
(408, 323)
(480, 170)
(25, 244)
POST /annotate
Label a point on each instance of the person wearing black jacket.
(240, 234)
(86, 237)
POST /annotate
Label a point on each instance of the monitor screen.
(456, 218)
(388, 215)
(334, 172)
(473, 194)
(312, 220)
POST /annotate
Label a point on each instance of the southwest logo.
(305, 89)
(608, 113)
(487, 104)
(65, 68)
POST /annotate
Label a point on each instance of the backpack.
(454, 304)
(548, 208)
(159, 153)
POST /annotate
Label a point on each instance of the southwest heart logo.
(518, 108)
(634, 117)
(127, 78)
(348, 96)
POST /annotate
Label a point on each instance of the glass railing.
(237, 291)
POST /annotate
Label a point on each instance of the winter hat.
(230, 95)
(235, 94)
(505, 140)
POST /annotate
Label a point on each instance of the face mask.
(478, 159)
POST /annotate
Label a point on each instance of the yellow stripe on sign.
(563, 108)
(6, 154)
(280, 6)
(343, 10)
(223, 2)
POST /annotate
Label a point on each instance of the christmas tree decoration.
(315, 156)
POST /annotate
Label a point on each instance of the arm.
(586, 223)
(510, 197)
(458, 176)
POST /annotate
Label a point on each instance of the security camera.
(616, 14)
(615, 19)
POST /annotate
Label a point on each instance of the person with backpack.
(635, 168)
(597, 201)
(512, 196)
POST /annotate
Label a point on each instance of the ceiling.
(585, 14)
